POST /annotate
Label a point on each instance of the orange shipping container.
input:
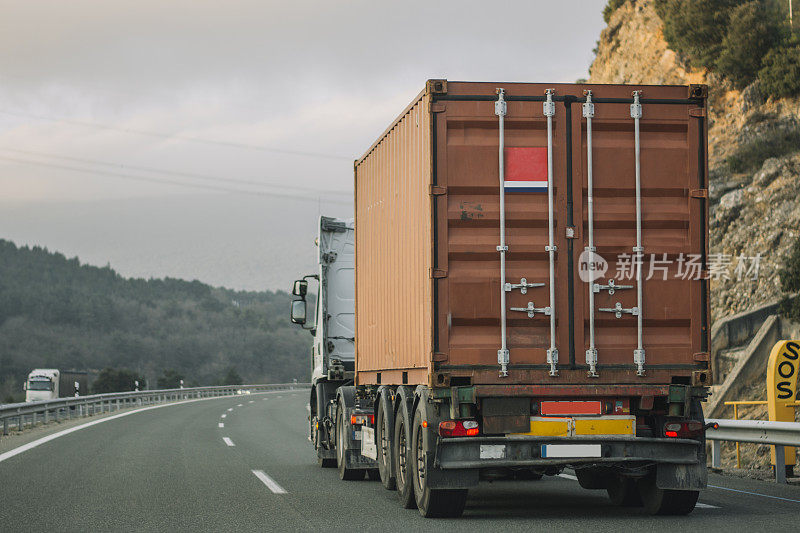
(429, 288)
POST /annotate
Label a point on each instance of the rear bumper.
(523, 450)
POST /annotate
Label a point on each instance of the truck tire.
(401, 453)
(345, 474)
(432, 503)
(383, 442)
(666, 502)
(623, 491)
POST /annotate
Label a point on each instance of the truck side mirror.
(298, 314)
(300, 288)
(25, 386)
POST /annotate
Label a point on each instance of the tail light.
(683, 429)
(458, 428)
(360, 420)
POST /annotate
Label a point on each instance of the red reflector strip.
(572, 408)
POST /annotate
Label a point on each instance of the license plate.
(493, 451)
(571, 450)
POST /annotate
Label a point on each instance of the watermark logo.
(591, 266)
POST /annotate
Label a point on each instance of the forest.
(58, 313)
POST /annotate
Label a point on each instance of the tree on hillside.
(171, 379)
(696, 28)
(232, 377)
(116, 380)
(753, 29)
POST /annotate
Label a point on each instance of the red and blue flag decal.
(526, 169)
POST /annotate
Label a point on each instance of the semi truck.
(524, 289)
(49, 383)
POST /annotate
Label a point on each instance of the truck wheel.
(384, 444)
(623, 491)
(401, 454)
(345, 474)
(432, 503)
(666, 502)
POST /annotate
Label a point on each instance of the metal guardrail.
(31, 413)
(779, 434)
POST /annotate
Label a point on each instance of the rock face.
(752, 214)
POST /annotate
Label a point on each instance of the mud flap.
(682, 477)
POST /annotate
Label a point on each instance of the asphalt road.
(171, 469)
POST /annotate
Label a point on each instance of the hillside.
(754, 137)
(56, 312)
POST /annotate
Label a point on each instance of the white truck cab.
(42, 384)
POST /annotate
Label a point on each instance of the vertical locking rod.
(638, 353)
(500, 109)
(549, 109)
(591, 353)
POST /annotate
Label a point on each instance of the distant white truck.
(48, 384)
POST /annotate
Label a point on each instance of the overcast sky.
(113, 101)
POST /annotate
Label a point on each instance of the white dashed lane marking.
(228, 441)
(221, 425)
(240, 405)
(251, 401)
(223, 416)
(269, 482)
(230, 409)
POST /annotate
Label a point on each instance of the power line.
(192, 175)
(170, 182)
(228, 144)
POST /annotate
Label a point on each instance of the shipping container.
(428, 274)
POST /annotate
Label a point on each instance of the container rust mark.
(470, 210)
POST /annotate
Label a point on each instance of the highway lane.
(170, 469)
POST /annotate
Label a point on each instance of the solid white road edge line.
(38, 442)
(754, 494)
(228, 441)
(269, 482)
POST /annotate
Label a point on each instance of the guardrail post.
(46, 416)
(716, 453)
(33, 420)
(5, 426)
(56, 412)
(780, 464)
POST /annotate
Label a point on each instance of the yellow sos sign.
(782, 370)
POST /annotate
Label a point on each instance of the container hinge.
(697, 112)
(436, 273)
(523, 286)
(698, 193)
(700, 357)
(618, 310)
(438, 190)
(612, 287)
(531, 310)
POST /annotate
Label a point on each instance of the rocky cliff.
(755, 200)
